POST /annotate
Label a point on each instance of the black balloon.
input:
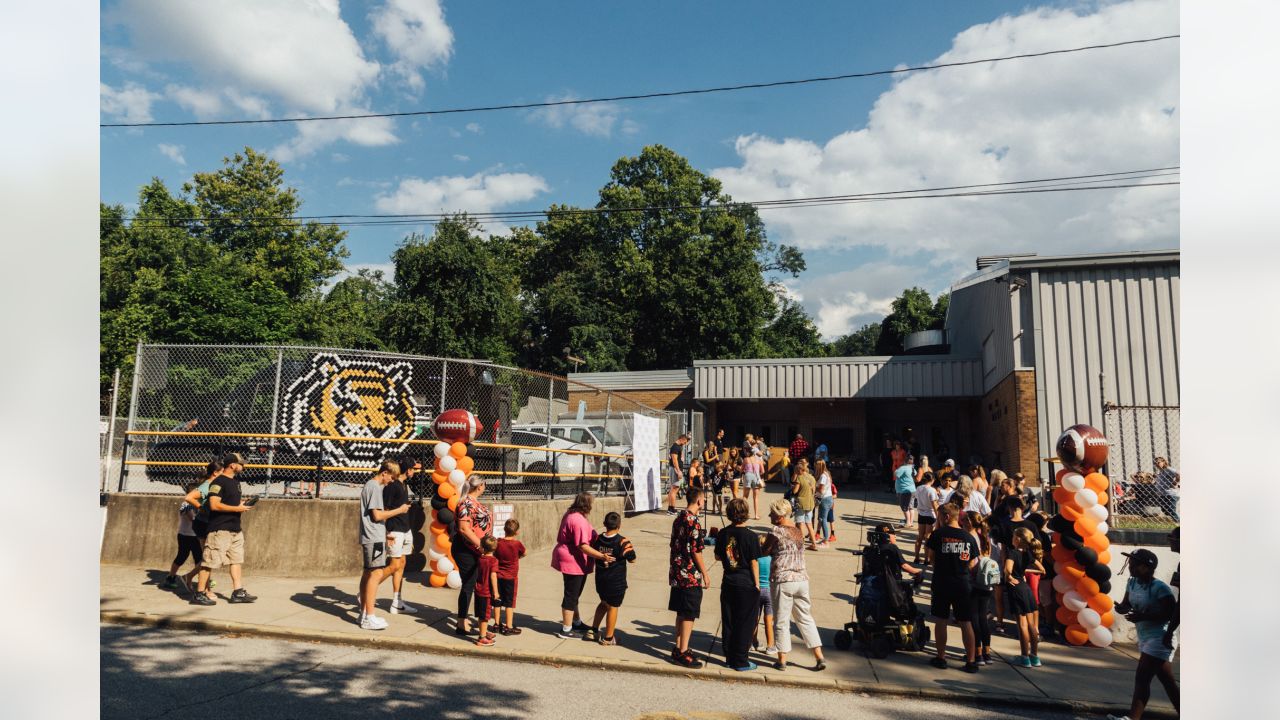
(438, 502)
(1061, 524)
(1098, 572)
(1104, 586)
(444, 516)
(1086, 556)
(1072, 543)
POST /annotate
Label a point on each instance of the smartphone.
(253, 500)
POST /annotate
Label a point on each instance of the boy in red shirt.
(487, 588)
(509, 552)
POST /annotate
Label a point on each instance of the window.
(580, 435)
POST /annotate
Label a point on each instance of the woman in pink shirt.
(574, 558)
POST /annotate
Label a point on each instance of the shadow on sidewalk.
(329, 599)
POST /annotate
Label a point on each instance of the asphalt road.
(153, 673)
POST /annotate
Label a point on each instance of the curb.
(140, 619)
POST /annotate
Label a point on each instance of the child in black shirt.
(953, 554)
(611, 578)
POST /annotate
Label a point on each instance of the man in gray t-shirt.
(373, 541)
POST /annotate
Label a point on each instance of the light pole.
(573, 359)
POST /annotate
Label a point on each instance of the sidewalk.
(323, 609)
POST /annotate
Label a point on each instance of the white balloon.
(1103, 528)
(1089, 618)
(445, 565)
(1060, 568)
(1073, 601)
(1062, 584)
(1100, 636)
(1073, 482)
(441, 449)
(435, 555)
(454, 580)
(1099, 512)
(448, 463)
(1086, 498)
(457, 477)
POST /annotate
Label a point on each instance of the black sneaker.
(202, 599)
(688, 660)
(242, 596)
(671, 510)
(170, 583)
(938, 662)
(971, 667)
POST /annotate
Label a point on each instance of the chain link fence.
(1142, 464)
(314, 422)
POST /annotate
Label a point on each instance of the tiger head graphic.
(349, 398)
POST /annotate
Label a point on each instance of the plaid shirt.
(798, 448)
(686, 542)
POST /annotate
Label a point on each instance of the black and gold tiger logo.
(349, 398)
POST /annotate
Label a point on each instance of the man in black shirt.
(952, 553)
(891, 554)
(225, 545)
(675, 456)
(399, 533)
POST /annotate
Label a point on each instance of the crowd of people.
(983, 535)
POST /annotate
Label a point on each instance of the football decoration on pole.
(453, 430)
(1081, 550)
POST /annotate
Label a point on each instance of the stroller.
(885, 616)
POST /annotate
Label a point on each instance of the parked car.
(596, 437)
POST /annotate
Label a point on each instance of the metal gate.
(1142, 465)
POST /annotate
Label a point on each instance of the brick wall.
(1006, 425)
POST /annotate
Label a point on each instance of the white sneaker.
(771, 650)
(403, 607)
(373, 622)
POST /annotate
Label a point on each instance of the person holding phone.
(373, 541)
(225, 544)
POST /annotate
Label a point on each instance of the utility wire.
(647, 96)
(798, 203)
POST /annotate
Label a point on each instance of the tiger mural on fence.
(349, 398)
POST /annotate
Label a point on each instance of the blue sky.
(1109, 110)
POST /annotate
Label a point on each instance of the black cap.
(1144, 556)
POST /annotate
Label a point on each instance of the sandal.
(608, 641)
(779, 665)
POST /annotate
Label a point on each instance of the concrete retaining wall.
(300, 538)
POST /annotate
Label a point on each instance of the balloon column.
(1081, 550)
(452, 469)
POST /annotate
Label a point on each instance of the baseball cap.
(950, 463)
(1144, 556)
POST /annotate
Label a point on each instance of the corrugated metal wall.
(978, 313)
(789, 379)
(1122, 322)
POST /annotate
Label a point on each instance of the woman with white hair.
(789, 586)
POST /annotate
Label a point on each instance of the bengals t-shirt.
(953, 549)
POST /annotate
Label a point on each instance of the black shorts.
(506, 593)
(951, 599)
(686, 603)
(1018, 600)
(573, 585)
(200, 528)
(904, 501)
(926, 520)
(610, 594)
(484, 609)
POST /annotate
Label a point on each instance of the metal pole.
(275, 412)
(111, 430)
(551, 460)
(503, 491)
(444, 377)
(133, 411)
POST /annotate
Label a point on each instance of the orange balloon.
(432, 565)
(1108, 619)
(1104, 557)
(1087, 587)
(1102, 498)
(453, 502)
(1076, 634)
(1064, 615)
(1063, 496)
(1101, 602)
(466, 464)
(1073, 571)
(442, 542)
(1071, 511)
(458, 450)
(437, 528)
(438, 477)
(1086, 525)
(1063, 473)
(435, 516)
(1097, 542)
(1061, 554)
(1097, 482)
(437, 580)
(447, 490)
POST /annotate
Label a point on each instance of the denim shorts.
(752, 480)
(801, 516)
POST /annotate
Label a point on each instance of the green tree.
(912, 311)
(858, 343)
(454, 296)
(353, 313)
(791, 334)
(225, 261)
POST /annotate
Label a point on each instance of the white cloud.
(131, 103)
(845, 313)
(416, 32)
(1097, 111)
(481, 192)
(595, 119)
(203, 104)
(461, 158)
(388, 272)
(312, 136)
(474, 127)
(173, 152)
(340, 157)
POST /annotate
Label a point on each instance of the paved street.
(153, 673)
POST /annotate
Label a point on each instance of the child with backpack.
(986, 576)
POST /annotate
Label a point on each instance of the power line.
(647, 96)
(1072, 184)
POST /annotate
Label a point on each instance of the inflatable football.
(1082, 448)
(456, 426)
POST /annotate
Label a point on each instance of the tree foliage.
(912, 311)
(858, 343)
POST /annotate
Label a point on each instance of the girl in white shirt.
(825, 499)
(927, 507)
